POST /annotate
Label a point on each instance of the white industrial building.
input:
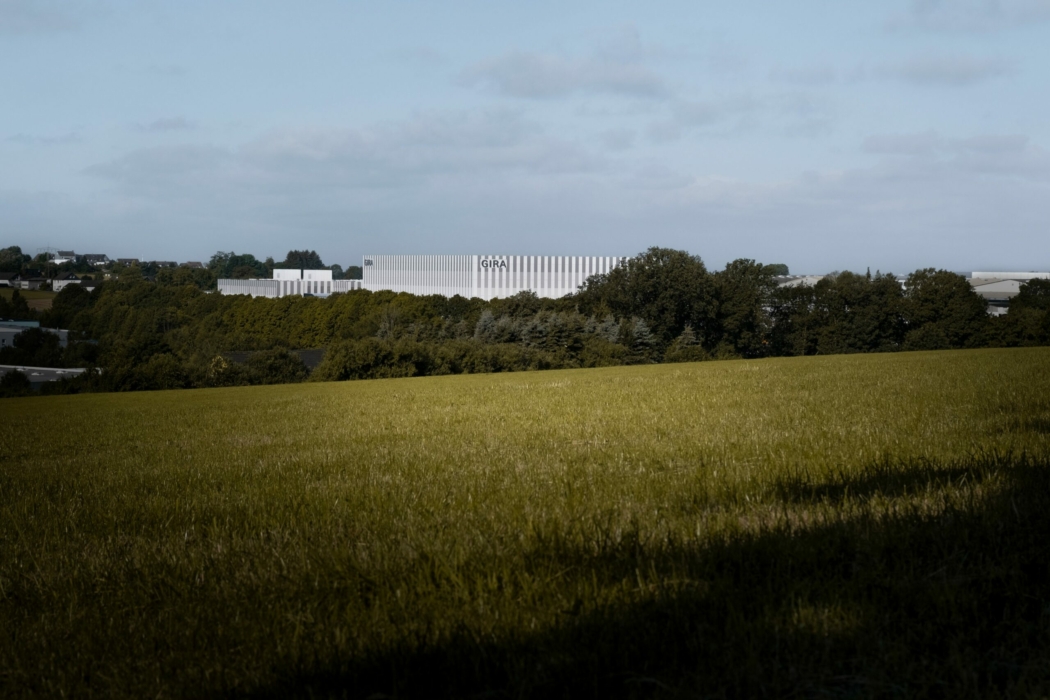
(483, 276)
(290, 283)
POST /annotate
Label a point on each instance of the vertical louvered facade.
(483, 276)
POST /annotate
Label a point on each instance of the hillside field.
(843, 526)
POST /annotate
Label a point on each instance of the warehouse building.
(285, 283)
(483, 276)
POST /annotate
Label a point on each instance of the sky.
(825, 135)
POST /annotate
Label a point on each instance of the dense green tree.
(1033, 294)
(778, 269)
(354, 272)
(859, 313)
(668, 288)
(34, 347)
(14, 383)
(16, 308)
(226, 265)
(686, 348)
(301, 260)
(946, 301)
(66, 305)
(12, 259)
(276, 366)
(743, 292)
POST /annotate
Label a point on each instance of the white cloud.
(952, 71)
(618, 139)
(819, 74)
(544, 76)
(167, 124)
(33, 17)
(972, 15)
(728, 113)
(56, 140)
(1011, 156)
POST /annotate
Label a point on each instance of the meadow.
(38, 299)
(845, 526)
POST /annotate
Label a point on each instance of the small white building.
(285, 283)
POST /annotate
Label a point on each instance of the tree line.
(222, 265)
(661, 306)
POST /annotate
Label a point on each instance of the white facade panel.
(290, 283)
(483, 276)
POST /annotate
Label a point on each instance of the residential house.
(63, 281)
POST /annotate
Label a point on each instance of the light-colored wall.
(483, 276)
(1011, 275)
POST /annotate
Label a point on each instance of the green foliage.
(66, 305)
(13, 383)
(302, 260)
(843, 527)
(16, 307)
(354, 272)
(33, 347)
(779, 269)
(686, 348)
(12, 259)
(661, 306)
(1034, 294)
(233, 266)
(743, 292)
(945, 300)
(276, 366)
(668, 288)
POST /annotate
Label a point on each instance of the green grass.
(847, 526)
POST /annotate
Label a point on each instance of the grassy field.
(852, 526)
(38, 299)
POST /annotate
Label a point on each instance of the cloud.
(692, 115)
(167, 70)
(419, 56)
(951, 71)
(414, 153)
(1011, 156)
(59, 140)
(821, 74)
(923, 143)
(971, 15)
(616, 66)
(167, 124)
(498, 182)
(546, 76)
(20, 17)
(618, 139)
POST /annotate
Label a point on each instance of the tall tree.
(301, 260)
(941, 303)
(743, 291)
(12, 259)
(667, 288)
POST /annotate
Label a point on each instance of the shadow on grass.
(893, 479)
(955, 604)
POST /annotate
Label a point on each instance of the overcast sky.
(825, 135)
